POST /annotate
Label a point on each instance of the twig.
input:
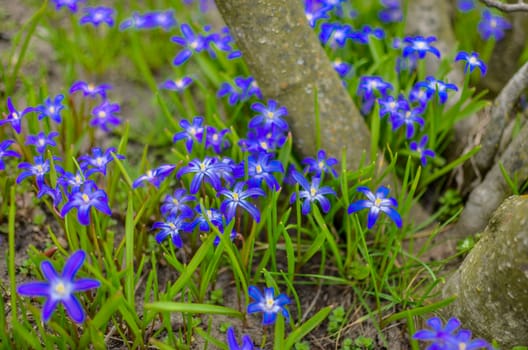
(519, 7)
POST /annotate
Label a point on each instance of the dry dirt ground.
(313, 298)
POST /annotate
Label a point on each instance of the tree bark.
(491, 283)
(287, 60)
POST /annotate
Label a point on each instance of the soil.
(12, 15)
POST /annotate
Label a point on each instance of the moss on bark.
(492, 282)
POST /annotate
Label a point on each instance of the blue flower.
(209, 169)
(5, 152)
(342, 68)
(203, 219)
(54, 193)
(191, 132)
(492, 26)
(154, 176)
(104, 115)
(438, 334)
(14, 117)
(418, 95)
(422, 151)
(432, 85)
(408, 117)
(223, 41)
(465, 5)
(314, 11)
(51, 108)
(260, 168)
(321, 165)
(463, 341)
(98, 162)
(216, 139)
(172, 227)
(270, 115)
(190, 41)
(72, 181)
(311, 192)
(268, 304)
(370, 85)
(335, 34)
(60, 288)
(242, 90)
(363, 36)
(472, 61)
(98, 15)
(70, 4)
(393, 107)
(232, 343)
(150, 20)
(89, 89)
(237, 197)
(41, 140)
(175, 204)
(84, 199)
(39, 170)
(177, 85)
(263, 140)
(376, 203)
(392, 11)
(420, 46)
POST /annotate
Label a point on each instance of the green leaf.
(307, 327)
(172, 306)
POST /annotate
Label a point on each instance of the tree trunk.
(492, 281)
(286, 58)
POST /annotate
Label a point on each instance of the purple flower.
(321, 164)
(177, 85)
(370, 85)
(70, 4)
(422, 151)
(342, 68)
(242, 90)
(98, 15)
(51, 108)
(72, 181)
(103, 115)
(84, 199)
(98, 161)
(41, 140)
(260, 168)
(232, 343)
(465, 5)
(174, 205)
(389, 105)
(438, 334)
(191, 132)
(263, 140)
(311, 192)
(492, 26)
(5, 152)
(237, 197)
(472, 61)
(60, 288)
(154, 176)
(463, 341)
(314, 11)
(14, 117)
(172, 227)
(203, 219)
(392, 11)
(89, 89)
(269, 115)
(376, 203)
(216, 139)
(54, 193)
(268, 304)
(335, 34)
(39, 170)
(408, 118)
(420, 46)
(432, 85)
(209, 169)
(191, 43)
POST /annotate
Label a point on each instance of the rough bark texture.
(491, 283)
(287, 60)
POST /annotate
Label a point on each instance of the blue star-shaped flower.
(268, 304)
(60, 288)
(84, 199)
(376, 203)
(311, 192)
(472, 61)
(237, 198)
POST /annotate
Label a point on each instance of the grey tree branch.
(491, 283)
(286, 58)
(519, 7)
(500, 114)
